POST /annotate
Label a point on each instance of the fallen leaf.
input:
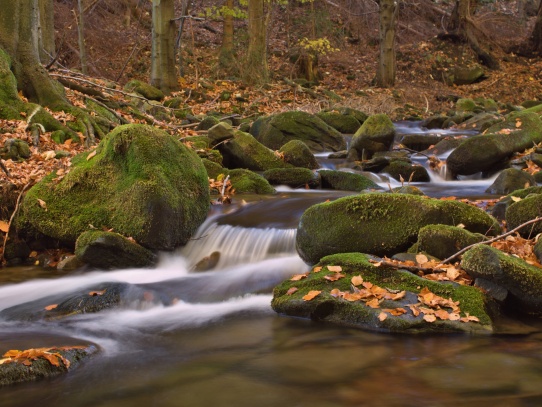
(382, 316)
(42, 203)
(336, 293)
(374, 303)
(291, 290)
(515, 198)
(357, 280)
(335, 269)
(421, 259)
(4, 226)
(50, 307)
(311, 294)
(96, 293)
(298, 277)
(429, 318)
(89, 157)
(317, 269)
(334, 277)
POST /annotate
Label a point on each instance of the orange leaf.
(356, 280)
(317, 269)
(4, 226)
(96, 293)
(291, 290)
(91, 155)
(42, 203)
(311, 294)
(352, 297)
(421, 259)
(298, 277)
(335, 269)
(334, 277)
(50, 307)
(429, 318)
(382, 316)
(373, 303)
(336, 293)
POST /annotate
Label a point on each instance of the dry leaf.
(374, 303)
(515, 198)
(335, 269)
(291, 290)
(311, 294)
(317, 269)
(357, 280)
(298, 277)
(334, 277)
(429, 318)
(421, 259)
(336, 293)
(96, 293)
(50, 307)
(382, 316)
(42, 204)
(4, 226)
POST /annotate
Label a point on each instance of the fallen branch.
(2, 258)
(3, 166)
(530, 222)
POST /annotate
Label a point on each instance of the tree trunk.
(226, 59)
(256, 66)
(163, 75)
(385, 76)
(46, 36)
(81, 38)
(19, 38)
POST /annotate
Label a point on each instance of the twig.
(530, 222)
(122, 120)
(3, 259)
(3, 166)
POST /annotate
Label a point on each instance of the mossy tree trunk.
(19, 36)
(385, 76)
(256, 66)
(226, 59)
(462, 26)
(163, 75)
(81, 37)
(46, 35)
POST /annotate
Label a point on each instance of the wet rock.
(275, 131)
(245, 181)
(70, 263)
(41, 368)
(407, 172)
(523, 211)
(208, 262)
(380, 223)
(420, 142)
(330, 305)
(443, 146)
(442, 241)
(408, 189)
(345, 181)
(499, 209)
(523, 281)
(376, 134)
(108, 251)
(481, 121)
(485, 152)
(296, 153)
(293, 177)
(141, 182)
(510, 180)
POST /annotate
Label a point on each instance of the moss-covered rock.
(520, 130)
(15, 149)
(296, 153)
(380, 223)
(523, 211)
(376, 134)
(523, 281)
(108, 250)
(331, 306)
(408, 189)
(442, 241)
(499, 209)
(142, 183)
(345, 123)
(509, 180)
(144, 89)
(207, 123)
(248, 182)
(41, 368)
(292, 177)
(405, 171)
(10, 103)
(345, 181)
(244, 151)
(275, 131)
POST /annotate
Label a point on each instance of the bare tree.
(385, 76)
(256, 65)
(163, 75)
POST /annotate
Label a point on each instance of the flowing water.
(222, 345)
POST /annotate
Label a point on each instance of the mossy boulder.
(248, 182)
(408, 189)
(15, 149)
(109, 250)
(443, 241)
(296, 153)
(509, 180)
(345, 181)
(499, 209)
(342, 122)
(145, 90)
(141, 182)
(41, 368)
(376, 134)
(382, 224)
(275, 131)
(244, 151)
(293, 177)
(405, 171)
(523, 281)
(331, 303)
(523, 211)
(207, 123)
(520, 130)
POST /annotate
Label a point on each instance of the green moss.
(292, 177)
(443, 241)
(344, 123)
(141, 182)
(346, 181)
(327, 307)
(245, 181)
(296, 153)
(144, 89)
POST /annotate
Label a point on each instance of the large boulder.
(375, 134)
(406, 171)
(275, 131)
(242, 180)
(345, 181)
(140, 182)
(382, 224)
(443, 241)
(523, 211)
(348, 290)
(293, 177)
(522, 281)
(509, 180)
(520, 130)
(342, 120)
(296, 153)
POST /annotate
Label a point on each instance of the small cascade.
(225, 245)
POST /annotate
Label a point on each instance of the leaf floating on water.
(50, 307)
(96, 293)
(291, 290)
(311, 294)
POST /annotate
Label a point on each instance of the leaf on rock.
(50, 307)
(429, 318)
(298, 277)
(357, 280)
(92, 154)
(311, 294)
(374, 303)
(317, 269)
(336, 293)
(334, 277)
(421, 259)
(515, 198)
(42, 203)
(335, 269)
(96, 293)
(291, 290)
(382, 316)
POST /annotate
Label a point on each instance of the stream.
(221, 344)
